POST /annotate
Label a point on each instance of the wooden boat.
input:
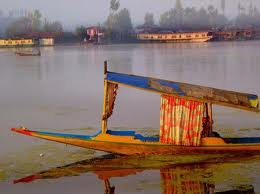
(187, 136)
(176, 37)
(28, 53)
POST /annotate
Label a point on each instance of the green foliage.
(178, 5)
(81, 32)
(36, 20)
(149, 19)
(114, 5)
(248, 18)
(20, 26)
(191, 19)
(178, 18)
(31, 22)
(124, 20)
(166, 19)
(174, 17)
(52, 27)
(119, 21)
(223, 6)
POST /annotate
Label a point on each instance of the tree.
(178, 13)
(213, 15)
(36, 20)
(121, 21)
(149, 19)
(52, 26)
(211, 10)
(164, 20)
(248, 19)
(256, 11)
(35, 17)
(1, 13)
(114, 5)
(11, 14)
(189, 17)
(124, 20)
(223, 6)
(202, 19)
(178, 5)
(111, 22)
(112, 17)
(251, 9)
(20, 26)
(82, 33)
(173, 18)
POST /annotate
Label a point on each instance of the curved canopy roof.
(189, 91)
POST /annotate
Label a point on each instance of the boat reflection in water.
(176, 178)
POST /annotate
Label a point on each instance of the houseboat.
(175, 37)
(186, 120)
(16, 42)
(230, 35)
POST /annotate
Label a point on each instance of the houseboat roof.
(227, 98)
(176, 32)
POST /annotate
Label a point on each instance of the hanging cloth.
(180, 121)
(182, 181)
(110, 99)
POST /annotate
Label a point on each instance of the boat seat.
(147, 139)
(121, 133)
(242, 140)
(136, 136)
(210, 141)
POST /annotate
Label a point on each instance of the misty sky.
(88, 12)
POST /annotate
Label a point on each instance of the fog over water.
(76, 12)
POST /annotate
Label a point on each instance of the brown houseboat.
(176, 37)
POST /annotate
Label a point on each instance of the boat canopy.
(187, 91)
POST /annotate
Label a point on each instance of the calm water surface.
(63, 89)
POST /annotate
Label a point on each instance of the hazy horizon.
(73, 13)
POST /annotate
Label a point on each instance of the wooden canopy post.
(210, 114)
(104, 120)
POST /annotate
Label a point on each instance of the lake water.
(63, 90)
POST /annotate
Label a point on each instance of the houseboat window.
(180, 36)
(174, 36)
(203, 35)
(196, 35)
(159, 36)
(188, 36)
(165, 36)
(151, 37)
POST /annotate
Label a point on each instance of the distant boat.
(28, 53)
(176, 37)
(229, 35)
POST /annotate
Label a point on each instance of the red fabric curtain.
(110, 98)
(180, 121)
(181, 181)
